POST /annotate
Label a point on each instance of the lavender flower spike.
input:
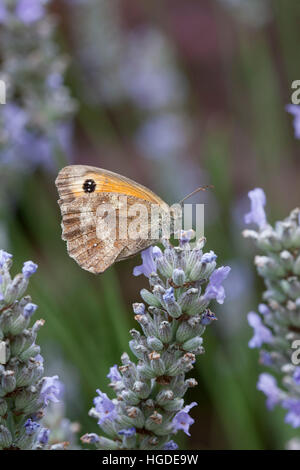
(276, 326)
(149, 408)
(32, 136)
(24, 392)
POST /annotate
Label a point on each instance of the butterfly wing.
(82, 190)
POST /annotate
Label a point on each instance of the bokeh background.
(173, 94)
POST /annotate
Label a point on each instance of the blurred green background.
(173, 94)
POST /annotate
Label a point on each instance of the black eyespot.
(89, 186)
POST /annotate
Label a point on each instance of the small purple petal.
(29, 268)
(104, 407)
(169, 295)
(114, 374)
(139, 308)
(30, 11)
(127, 432)
(31, 427)
(262, 334)
(185, 236)
(148, 265)
(263, 309)
(257, 213)
(4, 257)
(91, 438)
(3, 13)
(171, 445)
(29, 310)
(208, 317)
(44, 436)
(268, 385)
(293, 415)
(214, 289)
(294, 109)
(51, 390)
(296, 375)
(265, 358)
(208, 257)
(182, 419)
(39, 359)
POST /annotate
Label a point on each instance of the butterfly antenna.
(201, 188)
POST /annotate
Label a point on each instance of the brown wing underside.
(79, 218)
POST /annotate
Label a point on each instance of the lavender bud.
(172, 306)
(192, 344)
(139, 350)
(17, 344)
(5, 437)
(142, 389)
(188, 329)
(189, 299)
(287, 260)
(153, 423)
(147, 324)
(145, 371)
(154, 343)
(149, 298)
(101, 443)
(129, 374)
(136, 416)
(157, 365)
(139, 308)
(164, 396)
(130, 397)
(3, 407)
(165, 332)
(178, 277)
(174, 405)
(164, 266)
(296, 267)
(8, 382)
(91, 438)
(18, 325)
(32, 351)
(16, 289)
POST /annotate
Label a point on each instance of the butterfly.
(83, 190)
(86, 192)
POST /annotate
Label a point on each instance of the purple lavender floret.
(257, 214)
(29, 268)
(183, 420)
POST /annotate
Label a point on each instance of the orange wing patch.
(71, 179)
